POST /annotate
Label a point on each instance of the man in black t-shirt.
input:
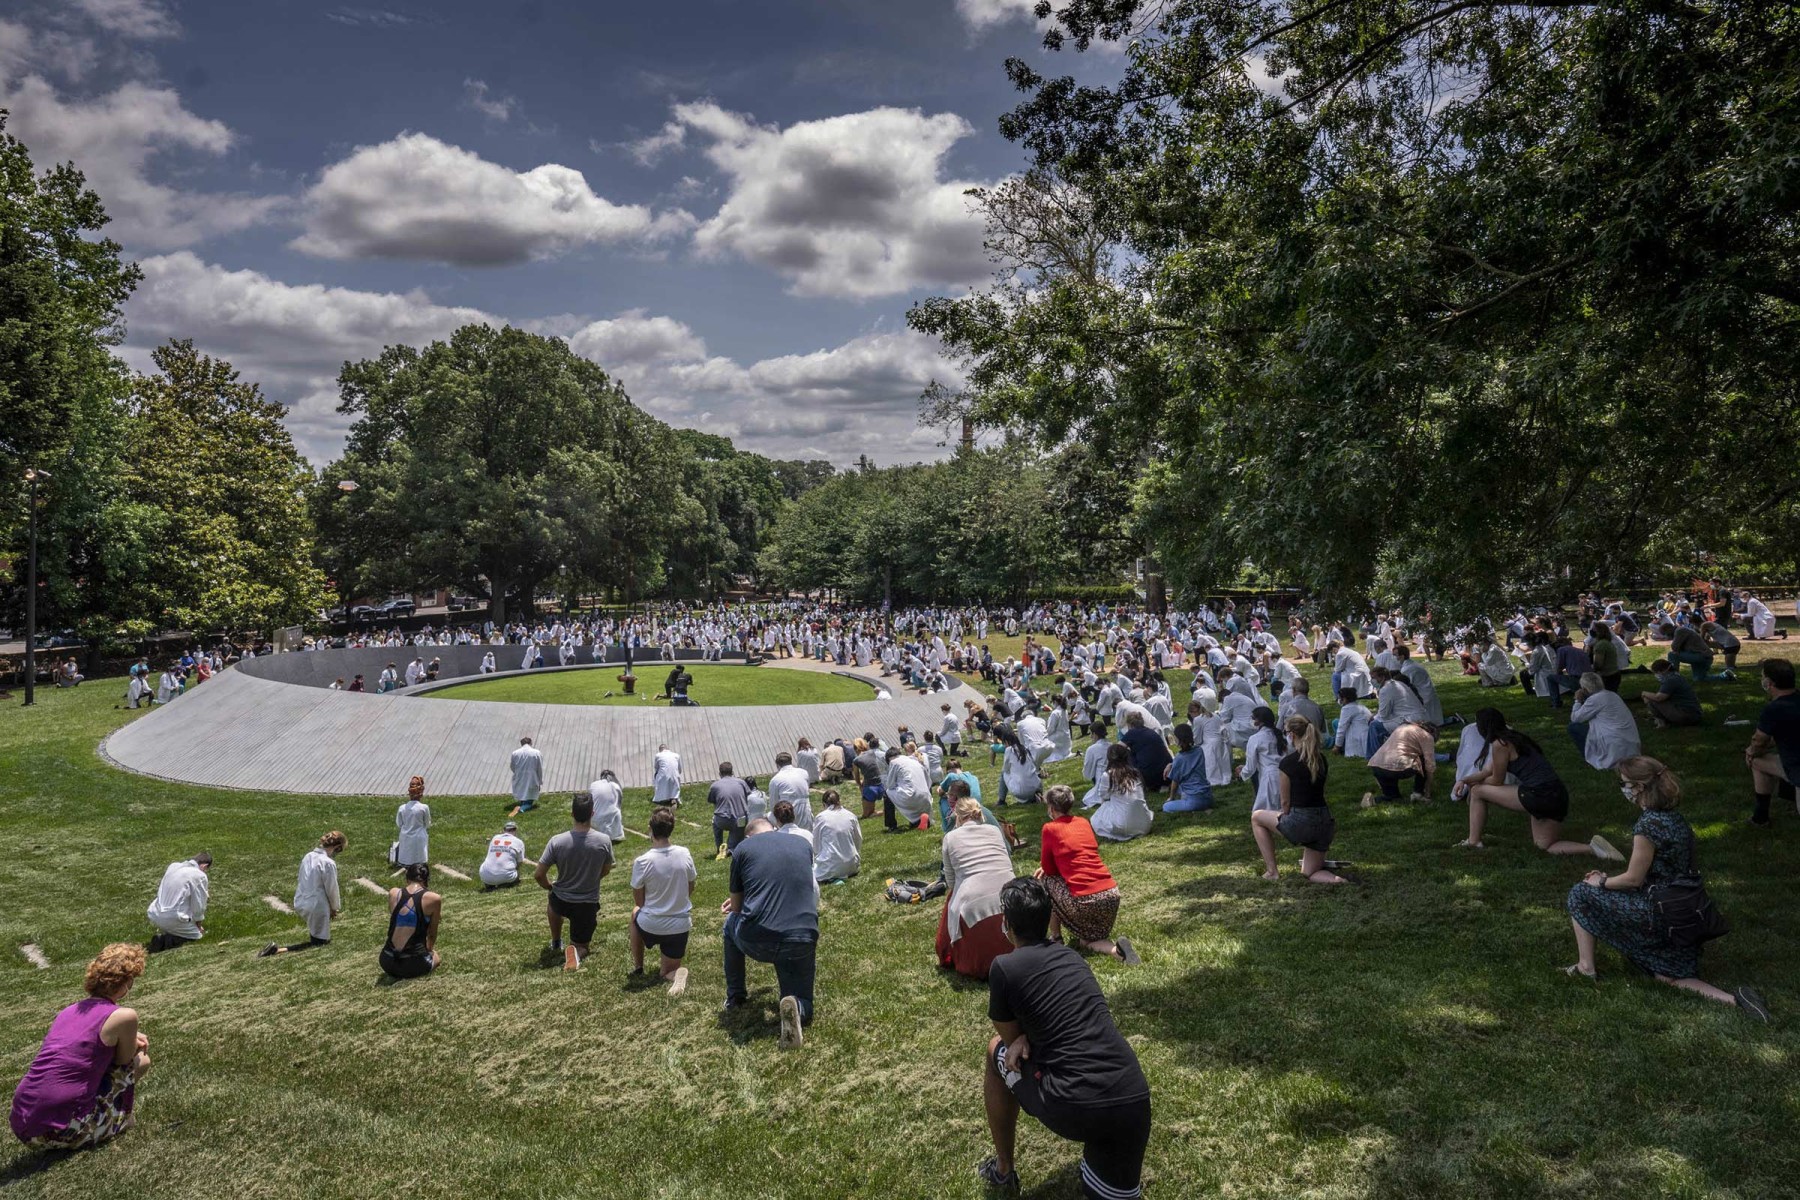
(1057, 1054)
(1773, 754)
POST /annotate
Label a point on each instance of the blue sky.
(728, 205)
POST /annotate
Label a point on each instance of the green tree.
(1480, 300)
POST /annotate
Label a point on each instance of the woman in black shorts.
(1538, 792)
(1304, 818)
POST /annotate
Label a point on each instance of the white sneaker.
(792, 1035)
(678, 984)
(1604, 849)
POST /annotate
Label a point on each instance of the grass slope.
(1408, 1037)
(718, 687)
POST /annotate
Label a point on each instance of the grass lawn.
(713, 686)
(1410, 1036)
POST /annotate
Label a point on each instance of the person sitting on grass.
(1019, 775)
(1085, 895)
(582, 856)
(1619, 909)
(1674, 701)
(1057, 1054)
(837, 841)
(1122, 813)
(1726, 643)
(1354, 729)
(662, 898)
(1189, 790)
(80, 1090)
(414, 913)
(772, 915)
(1601, 724)
(1410, 752)
(1303, 817)
(977, 864)
(1773, 754)
(1149, 752)
(316, 896)
(1539, 792)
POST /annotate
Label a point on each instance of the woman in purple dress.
(79, 1090)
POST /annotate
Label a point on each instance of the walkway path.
(239, 731)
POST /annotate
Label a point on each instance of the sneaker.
(678, 984)
(571, 958)
(988, 1171)
(556, 945)
(792, 1036)
(721, 853)
(1368, 800)
(1605, 850)
(924, 821)
(1751, 1001)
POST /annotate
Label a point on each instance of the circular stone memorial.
(715, 686)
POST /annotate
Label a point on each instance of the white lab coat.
(316, 892)
(1034, 735)
(790, 783)
(609, 817)
(1496, 667)
(527, 774)
(1262, 763)
(837, 845)
(1122, 815)
(909, 787)
(1421, 680)
(1760, 618)
(1353, 729)
(180, 903)
(1235, 711)
(1612, 735)
(1093, 769)
(1210, 732)
(413, 819)
(1061, 744)
(1353, 672)
(1020, 774)
(667, 778)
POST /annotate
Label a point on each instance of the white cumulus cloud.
(418, 198)
(983, 14)
(853, 205)
(114, 138)
(129, 18)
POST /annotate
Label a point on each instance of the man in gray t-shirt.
(582, 857)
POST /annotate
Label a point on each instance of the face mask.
(1629, 792)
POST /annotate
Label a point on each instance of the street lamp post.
(32, 476)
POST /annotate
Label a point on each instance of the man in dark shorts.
(1773, 754)
(772, 916)
(1057, 1054)
(582, 857)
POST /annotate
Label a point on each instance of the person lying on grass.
(1303, 817)
(1057, 1054)
(1620, 910)
(1539, 793)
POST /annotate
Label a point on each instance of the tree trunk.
(1155, 594)
(496, 598)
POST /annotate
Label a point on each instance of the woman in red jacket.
(1083, 893)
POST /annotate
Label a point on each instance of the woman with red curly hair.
(80, 1088)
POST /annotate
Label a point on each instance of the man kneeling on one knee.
(1057, 1054)
(773, 917)
(1674, 701)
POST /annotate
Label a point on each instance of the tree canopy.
(1440, 301)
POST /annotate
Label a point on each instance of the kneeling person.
(179, 910)
(773, 917)
(582, 856)
(506, 850)
(1057, 1054)
(662, 895)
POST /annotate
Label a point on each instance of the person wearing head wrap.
(413, 821)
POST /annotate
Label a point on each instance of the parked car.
(399, 606)
(460, 603)
(362, 612)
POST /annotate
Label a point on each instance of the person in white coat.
(413, 822)
(1093, 763)
(1416, 674)
(1262, 761)
(609, 813)
(666, 777)
(1122, 814)
(1496, 667)
(487, 663)
(1351, 670)
(1062, 745)
(1759, 618)
(1237, 712)
(837, 841)
(1034, 734)
(527, 776)
(1209, 732)
(166, 685)
(179, 910)
(908, 786)
(316, 898)
(1602, 725)
(789, 782)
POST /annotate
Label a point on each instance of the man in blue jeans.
(773, 917)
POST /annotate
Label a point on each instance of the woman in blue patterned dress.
(1617, 909)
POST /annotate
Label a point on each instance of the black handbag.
(1685, 914)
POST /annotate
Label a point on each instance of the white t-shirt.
(501, 865)
(664, 872)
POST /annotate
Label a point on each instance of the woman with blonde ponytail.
(1304, 818)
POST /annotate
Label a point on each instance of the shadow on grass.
(34, 1162)
(753, 1020)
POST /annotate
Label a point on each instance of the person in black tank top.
(1539, 793)
(414, 913)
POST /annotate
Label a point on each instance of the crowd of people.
(1250, 718)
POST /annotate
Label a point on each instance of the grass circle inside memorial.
(714, 686)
